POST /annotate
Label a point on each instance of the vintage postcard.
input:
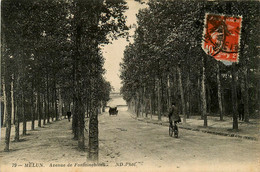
(129, 85)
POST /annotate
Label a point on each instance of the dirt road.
(125, 141)
(133, 141)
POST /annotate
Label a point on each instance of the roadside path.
(249, 130)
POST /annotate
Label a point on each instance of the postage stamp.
(221, 36)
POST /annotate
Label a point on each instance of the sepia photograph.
(130, 85)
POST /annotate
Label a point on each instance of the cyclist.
(174, 116)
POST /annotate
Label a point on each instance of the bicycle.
(174, 129)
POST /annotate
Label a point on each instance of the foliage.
(169, 34)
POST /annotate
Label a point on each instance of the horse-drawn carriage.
(113, 110)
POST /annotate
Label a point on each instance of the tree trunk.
(199, 100)
(39, 108)
(203, 95)
(45, 109)
(209, 99)
(182, 95)
(93, 136)
(81, 124)
(175, 85)
(17, 120)
(188, 95)
(142, 102)
(223, 100)
(145, 102)
(146, 107)
(258, 95)
(159, 101)
(219, 94)
(76, 72)
(53, 105)
(138, 104)
(103, 106)
(151, 105)
(35, 108)
(12, 101)
(188, 106)
(60, 104)
(162, 97)
(90, 105)
(234, 96)
(75, 121)
(135, 105)
(8, 111)
(32, 109)
(88, 108)
(169, 92)
(56, 106)
(48, 98)
(246, 99)
(5, 103)
(24, 114)
(153, 98)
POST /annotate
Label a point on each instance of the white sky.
(113, 53)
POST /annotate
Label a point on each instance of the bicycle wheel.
(170, 131)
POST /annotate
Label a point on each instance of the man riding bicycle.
(174, 116)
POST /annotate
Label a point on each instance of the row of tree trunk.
(153, 102)
(23, 104)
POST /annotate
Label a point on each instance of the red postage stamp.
(221, 37)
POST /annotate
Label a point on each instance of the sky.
(114, 52)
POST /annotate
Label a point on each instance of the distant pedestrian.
(69, 115)
(241, 111)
